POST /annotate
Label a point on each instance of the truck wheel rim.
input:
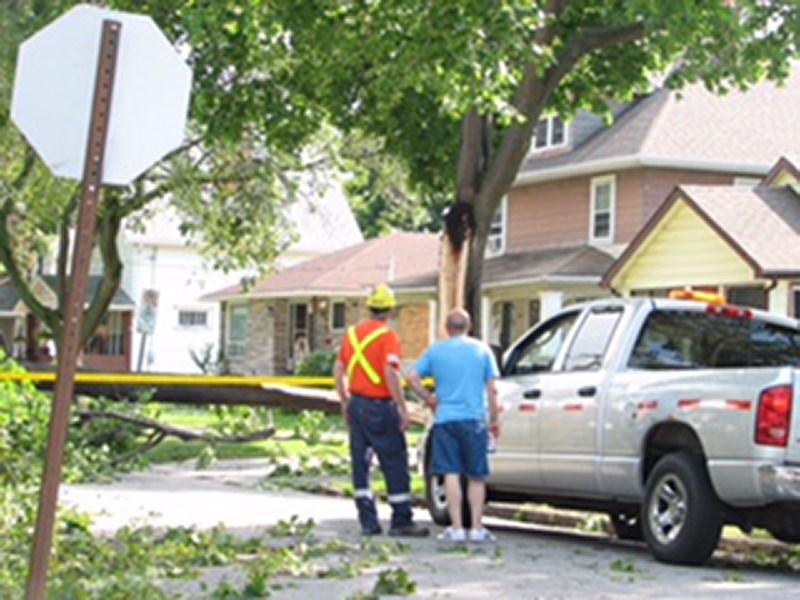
(437, 493)
(668, 508)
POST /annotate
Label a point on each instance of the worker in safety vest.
(368, 382)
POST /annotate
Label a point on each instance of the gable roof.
(742, 131)
(10, 298)
(349, 271)
(762, 225)
(786, 169)
(120, 301)
(566, 264)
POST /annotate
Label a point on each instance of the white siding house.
(160, 258)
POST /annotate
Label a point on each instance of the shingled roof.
(563, 264)
(742, 131)
(349, 271)
(761, 224)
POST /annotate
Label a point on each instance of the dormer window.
(496, 240)
(549, 133)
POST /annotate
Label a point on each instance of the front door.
(298, 334)
(514, 464)
(571, 437)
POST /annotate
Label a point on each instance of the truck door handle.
(532, 394)
(587, 391)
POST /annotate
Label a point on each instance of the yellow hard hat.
(382, 298)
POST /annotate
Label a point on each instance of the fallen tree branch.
(161, 430)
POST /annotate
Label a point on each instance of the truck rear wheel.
(680, 517)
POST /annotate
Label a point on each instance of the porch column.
(486, 319)
(433, 321)
(778, 300)
(551, 303)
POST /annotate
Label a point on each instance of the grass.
(290, 445)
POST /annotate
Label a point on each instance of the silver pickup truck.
(674, 417)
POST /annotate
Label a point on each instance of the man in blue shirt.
(464, 371)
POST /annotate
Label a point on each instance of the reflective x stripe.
(363, 494)
(358, 357)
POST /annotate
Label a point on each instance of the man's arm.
(393, 381)
(340, 376)
(494, 408)
(415, 382)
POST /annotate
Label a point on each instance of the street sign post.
(67, 75)
(146, 323)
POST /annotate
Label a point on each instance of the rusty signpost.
(73, 318)
(79, 62)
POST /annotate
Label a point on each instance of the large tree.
(455, 89)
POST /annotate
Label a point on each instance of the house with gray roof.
(25, 339)
(587, 189)
(743, 243)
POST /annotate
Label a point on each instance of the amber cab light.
(774, 414)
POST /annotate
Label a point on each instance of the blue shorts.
(459, 448)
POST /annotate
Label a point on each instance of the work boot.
(409, 530)
(369, 531)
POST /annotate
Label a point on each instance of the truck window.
(675, 339)
(592, 339)
(773, 345)
(538, 352)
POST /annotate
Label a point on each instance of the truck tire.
(437, 503)
(626, 525)
(680, 515)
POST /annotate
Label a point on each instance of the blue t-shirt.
(461, 367)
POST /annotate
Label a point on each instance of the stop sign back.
(54, 85)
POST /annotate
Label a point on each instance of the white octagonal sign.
(54, 88)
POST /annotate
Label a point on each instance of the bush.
(319, 363)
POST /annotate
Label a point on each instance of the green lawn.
(307, 448)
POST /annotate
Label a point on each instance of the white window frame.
(597, 182)
(193, 310)
(496, 243)
(236, 348)
(548, 143)
(334, 302)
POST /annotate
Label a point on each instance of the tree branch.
(159, 431)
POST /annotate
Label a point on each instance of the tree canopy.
(446, 93)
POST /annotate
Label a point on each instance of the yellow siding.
(682, 250)
(786, 179)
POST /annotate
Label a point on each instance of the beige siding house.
(742, 242)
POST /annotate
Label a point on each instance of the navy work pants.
(375, 428)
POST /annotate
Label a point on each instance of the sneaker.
(481, 536)
(410, 530)
(368, 531)
(452, 535)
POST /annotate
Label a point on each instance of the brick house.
(587, 188)
(748, 240)
(271, 326)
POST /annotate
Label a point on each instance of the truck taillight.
(774, 412)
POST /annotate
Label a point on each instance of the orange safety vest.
(359, 359)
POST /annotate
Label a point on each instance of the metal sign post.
(76, 298)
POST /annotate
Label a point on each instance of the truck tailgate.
(793, 448)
